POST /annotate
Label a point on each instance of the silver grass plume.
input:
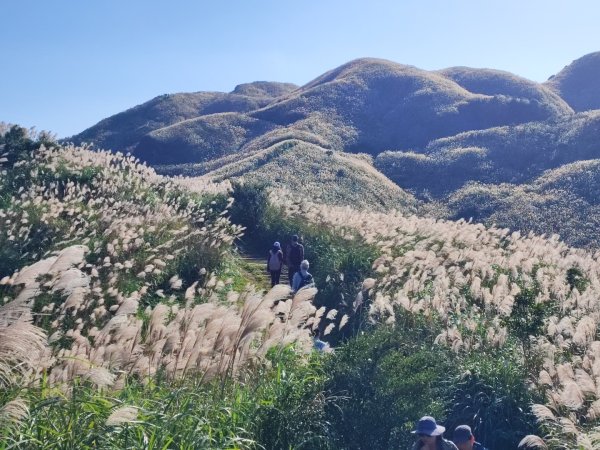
(13, 413)
(22, 344)
(123, 415)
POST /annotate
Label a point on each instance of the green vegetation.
(276, 405)
(160, 337)
(401, 367)
(339, 259)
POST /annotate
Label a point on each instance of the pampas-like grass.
(13, 414)
(22, 345)
(532, 442)
(122, 416)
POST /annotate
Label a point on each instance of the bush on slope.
(490, 288)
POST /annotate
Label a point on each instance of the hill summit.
(578, 83)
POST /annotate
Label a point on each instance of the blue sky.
(66, 64)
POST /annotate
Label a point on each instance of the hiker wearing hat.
(275, 263)
(464, 439)
(430, 436)
(294, 255)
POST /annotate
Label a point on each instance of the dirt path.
(258, 267)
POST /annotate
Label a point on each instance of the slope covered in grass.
(498, 82)
(578, 83)
(130, 277)
(488, 289)
(200, 139)
(122, 131)
(367, 105)
(516, 154)
(562, 201)
(326, 176)
(154, 335)
(393, 105)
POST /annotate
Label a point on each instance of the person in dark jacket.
(463, 438)
(275, 263)
(430, 436)
(294, 256)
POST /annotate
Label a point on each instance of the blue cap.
(429, 427)
(277, 244)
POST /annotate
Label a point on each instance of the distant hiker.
(463, 438)
(319, 345)
(302, 278)
(294, 255)
(275, 263)
(430, 436)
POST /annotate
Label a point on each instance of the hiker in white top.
(275, 263)
(302, 278)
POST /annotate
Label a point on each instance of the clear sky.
(66, 64)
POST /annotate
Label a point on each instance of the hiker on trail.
(430, 436)
(275, 263)
(294, 255)
(463, 438)
(302, 278)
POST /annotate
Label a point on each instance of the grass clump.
(265, 408)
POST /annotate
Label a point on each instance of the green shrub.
(248, 209)
(390, 378)
(491, 395)
(292, 413)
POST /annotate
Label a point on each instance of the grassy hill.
(516, 154)
(433, 134)
(367, 105)
(127, 319)
(200, 139)
(124, 130)
(578, 83)
(390, 105)
(326, 176)
(499, 82)
(562, 201)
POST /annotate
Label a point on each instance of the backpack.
(296, 254)
(305, 281)
(275, 262)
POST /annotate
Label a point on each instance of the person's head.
(463, 437)
(304, 265)
(295, 238)
(428, 430)
(276, 246)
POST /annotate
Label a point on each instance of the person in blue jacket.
(302, 278)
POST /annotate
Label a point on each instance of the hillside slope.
(316, 174)
(578, 83)
(123, 130)
(515, 154)
(396, 106)
(499, 82)
(367, 105)
(562, 201)
(133, 279)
